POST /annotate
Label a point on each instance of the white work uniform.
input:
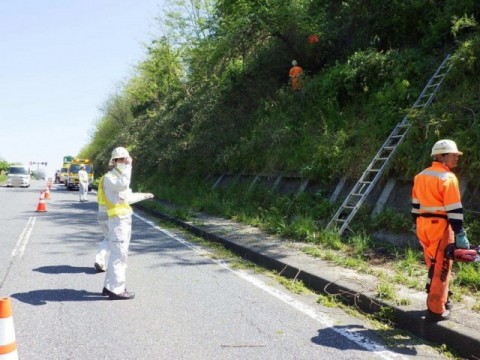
(116, 185)
(101, 256)
(83, 184)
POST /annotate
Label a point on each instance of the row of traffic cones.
(41, 207)
(8, 343)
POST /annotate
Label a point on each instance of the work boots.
(449, 303)
(123, 296)
(433, 317)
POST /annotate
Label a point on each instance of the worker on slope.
(438, 213)
(103, 250)
(83, 183)
(116, 192)
(295, 75)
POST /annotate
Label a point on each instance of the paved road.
(188, 304)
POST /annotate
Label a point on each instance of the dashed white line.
(22, 241)
(355, 337)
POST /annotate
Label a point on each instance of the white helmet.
(445, 147)
(294, 62)
(118, 153)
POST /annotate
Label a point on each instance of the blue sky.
(60, 61)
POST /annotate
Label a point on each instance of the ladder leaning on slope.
(375, 169)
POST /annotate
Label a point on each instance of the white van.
(18, 175)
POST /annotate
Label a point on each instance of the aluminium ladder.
(376, 168)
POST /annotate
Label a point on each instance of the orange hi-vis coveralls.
(438, 211)
(295, 73)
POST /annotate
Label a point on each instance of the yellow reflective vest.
(114, 209)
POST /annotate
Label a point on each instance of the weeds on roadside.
(299, 218)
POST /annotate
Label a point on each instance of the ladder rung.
(389, 148)
(426, 95)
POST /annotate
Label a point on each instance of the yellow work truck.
(67, 160)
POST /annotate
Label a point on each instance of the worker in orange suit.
(295, 75)
(438, 213)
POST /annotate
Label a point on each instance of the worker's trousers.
(83, 191)
(119, 234)
(434, 235)
(101, 256)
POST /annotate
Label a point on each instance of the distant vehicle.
(67, 160)
(72, 181)
(41, 174)
(18, 175)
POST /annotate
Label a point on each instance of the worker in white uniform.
(101, 256)
(116, 192)
(83, 183)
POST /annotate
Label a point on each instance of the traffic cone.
(8, 344)
(41, 203)
(47, 193)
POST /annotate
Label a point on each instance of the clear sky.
(60, 60)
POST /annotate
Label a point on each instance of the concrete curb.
(323, 278)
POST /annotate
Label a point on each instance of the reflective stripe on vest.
(436, 192)
(100, 193)
(115, 209)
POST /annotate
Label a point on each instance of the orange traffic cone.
(47, 193)
(8, 344)
(41, 203)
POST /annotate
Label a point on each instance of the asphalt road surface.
(188, 304)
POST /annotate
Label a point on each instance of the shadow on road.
(41, 297)
(66, 269)
(360, 335)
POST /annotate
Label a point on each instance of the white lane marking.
(22, 241)
(356, 337)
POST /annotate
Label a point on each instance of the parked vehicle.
(18, 175)
(67, 160)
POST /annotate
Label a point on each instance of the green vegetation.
(212, 97)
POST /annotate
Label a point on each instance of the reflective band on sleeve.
(455, 216)
(454, 206)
